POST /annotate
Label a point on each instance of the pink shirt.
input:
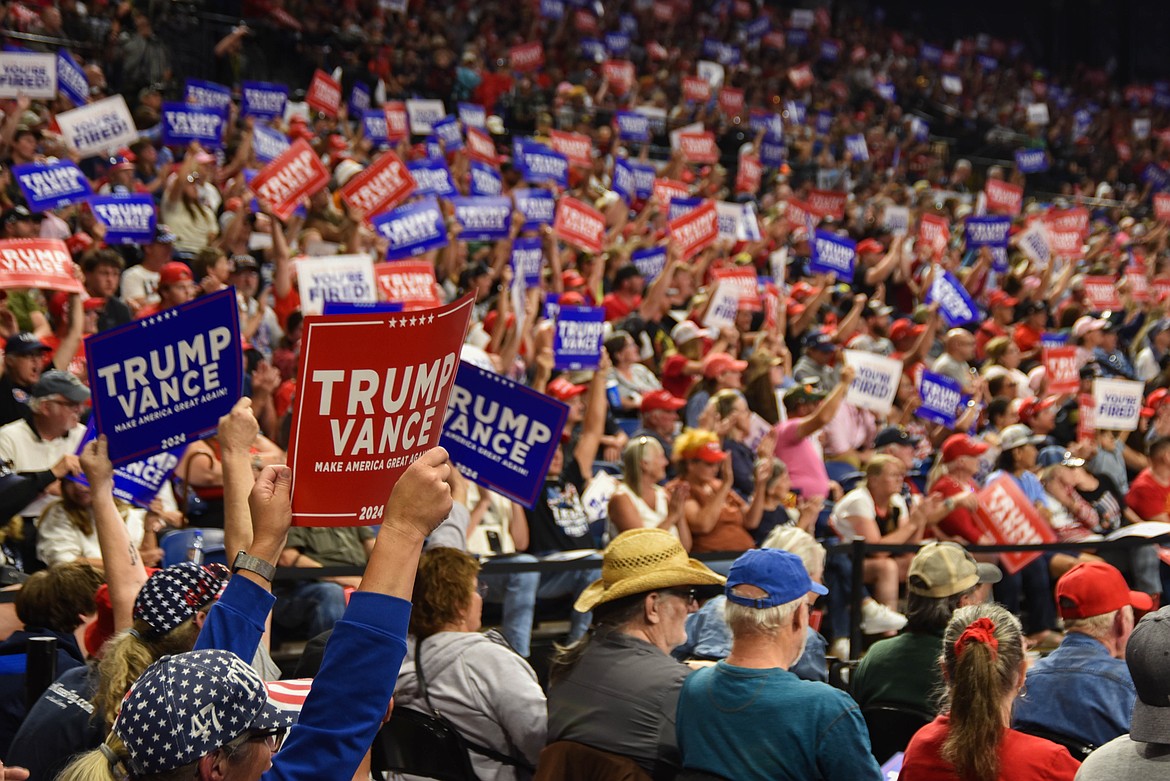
(852, 428)
(806, 464)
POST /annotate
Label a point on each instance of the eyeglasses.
(272, 738)
(689, 595)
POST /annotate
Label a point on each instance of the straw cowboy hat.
(641, 560)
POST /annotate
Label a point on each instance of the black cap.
(24, 343)
(1032, 307)
(895, 435)
(16, 213)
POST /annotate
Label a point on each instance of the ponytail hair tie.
(981, 630)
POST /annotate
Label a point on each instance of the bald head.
(960, 344)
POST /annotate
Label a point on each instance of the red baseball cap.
(1000, 298)
(562, 389)
(1156, 399)
(1032, 406)
(709, 452)
(958, 445)
(717, 363)
(661, 399)
(869, 246)
(174, 272)
(571, 299)
(1094, 588)
(572, 278)
(905, 328)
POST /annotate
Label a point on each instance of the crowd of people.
(693, 434)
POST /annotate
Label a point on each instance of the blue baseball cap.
(778, 572)
(820, 340)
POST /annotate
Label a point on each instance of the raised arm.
(237, 434)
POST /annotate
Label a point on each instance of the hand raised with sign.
(848, 374)
(238, 428)
(95, 462)
(421, 498)
(271, 506)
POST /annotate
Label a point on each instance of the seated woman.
(475, 681)
(616, 689)
(782, 507)
(983, 666)
(66, 530)
(719, 520)
(200, 474)
(639, 502)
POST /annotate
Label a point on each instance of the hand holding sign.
(95, 462)
(421, 498)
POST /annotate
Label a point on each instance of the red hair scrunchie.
(981, 630)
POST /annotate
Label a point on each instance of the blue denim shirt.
(1078, 690)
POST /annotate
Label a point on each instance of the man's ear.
(650, 607)
(199, 617)
(212, 767)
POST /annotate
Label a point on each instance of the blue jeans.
(318, 605)
(518, 592)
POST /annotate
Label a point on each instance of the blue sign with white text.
(577, 341)
(988, 231)
(183, 123)
(632, 126)
(539, 206)
(374, 126)
(207, 94)
(138, 482)
(129, 219)
(1031, 161)
(485, 180)
(432, 177)
(483, 219)
(649, 261)
(48, 186)
(502, 435)
(71, 79)
(940, 396)
(359, 308)
(954, 302)
(833, 254)
(263, 99)
(538, 163)
(268, 143)
(412, 229)
(527, 261)
(167, 379)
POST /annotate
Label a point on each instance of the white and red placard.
(1066, 243)
(749, 175)
(1162, 206)
(698, 147)
(1061, 370)
(695, 230)
(372, 395)
(1069, 220)
(934, 232)
(296, 174)
(408, 282)
(731, 101)
(480, 146)
(37, 263)
(620, 74)
(380, 187)
(826, 203)
(1139, 284)
(666, 190)
(801, 76)
(397, 122)
(1007, 515)
(577, 147)
(1101, 293)
(696, 89)
(1003, 197)
(527, 57)
(580, 224)
(324, 94)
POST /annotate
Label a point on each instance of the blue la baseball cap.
(778, 572)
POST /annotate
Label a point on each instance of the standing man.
(748, 717)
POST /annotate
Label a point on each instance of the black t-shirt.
(13, 401)
(558, 522)
(113, 314)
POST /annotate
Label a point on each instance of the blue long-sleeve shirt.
(344, 710)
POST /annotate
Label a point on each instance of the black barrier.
(857, 549)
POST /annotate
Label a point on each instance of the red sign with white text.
(666, 190)
(37, 263)
(408, 282)
(480, 146)
(324, 94)
(800, 215)
(1007, 515)
(749, 175)
(297, 173)
(731, 101)
(698, 147)
(934, 232)
(1069, 220)
(397, 122)
(527, 57)
(1162, 206)
(1060, 367)
(827, 203)
(1066, 243)
(380, 187)
(371, 399)
(577, 147)
(580, 224)
(801, 76)
(695, 230)
(1139, 285)
(1101, 293)
(696, 90)
(1003, 197)
(619, 74)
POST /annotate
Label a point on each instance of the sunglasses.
(689, 595)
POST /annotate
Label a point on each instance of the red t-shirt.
(674, 378)
(1027, 338)
(1147, 497)
(617, 307)
(1020, 756)
(959, 522)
